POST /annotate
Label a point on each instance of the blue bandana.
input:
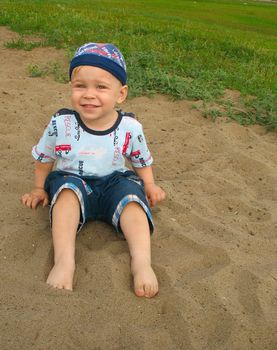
(105, 56)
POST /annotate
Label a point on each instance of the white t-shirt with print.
(79, 150)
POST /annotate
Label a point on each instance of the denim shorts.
(101, 198)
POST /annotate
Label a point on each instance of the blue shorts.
(101, 198)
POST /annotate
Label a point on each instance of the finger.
(28, 202)
(152, 201)
(162, 197)
(45, 202)
(35, 203)
(24, 198)
(157, 199)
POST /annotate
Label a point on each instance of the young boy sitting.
(89, 145)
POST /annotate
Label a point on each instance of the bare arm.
(38, 194)
(41, 172)
(153, 192)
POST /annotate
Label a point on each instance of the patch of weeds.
(208, 111)
(21, 44)
(60, 75)
(248, 110)
(51, 68)
(34, 71)
(243, 117)
(212, 114)
(264, 110)
(255, 110)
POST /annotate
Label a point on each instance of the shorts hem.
(122, 204)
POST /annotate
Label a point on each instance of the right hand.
(35, 197)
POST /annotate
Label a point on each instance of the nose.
(89, 93)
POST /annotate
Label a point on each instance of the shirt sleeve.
(140, 155)
(44, 151)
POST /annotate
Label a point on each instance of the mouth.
(89, 106)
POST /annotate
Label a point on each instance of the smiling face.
(94, 94)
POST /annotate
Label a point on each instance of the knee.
(133, 219)
(133, 211)
(133, 207)
(67, 196)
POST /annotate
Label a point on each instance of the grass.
(53, 68)
(22, 44)
(186, 49)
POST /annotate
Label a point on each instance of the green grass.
(186, 49)
(23, 44)
(51, 68)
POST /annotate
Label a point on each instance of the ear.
(122, 94)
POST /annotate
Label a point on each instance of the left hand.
(154, 193)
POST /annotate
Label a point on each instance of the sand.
(214, 249)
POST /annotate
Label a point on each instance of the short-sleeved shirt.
(80, 150)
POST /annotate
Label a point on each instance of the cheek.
(74, 98)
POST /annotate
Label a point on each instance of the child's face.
(94, 94)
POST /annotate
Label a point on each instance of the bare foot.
(145, 280)
(61, 275)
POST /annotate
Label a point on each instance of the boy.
(89, 145)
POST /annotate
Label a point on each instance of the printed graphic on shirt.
(67, 125)
(136, 153)
(126, 142)
(140, 138)
(77, 131)
(116, 152)
(55, 129)
(138, 158)
(41, 156)
(92, 154)
(115, 137)
(141, 160)
(81, 167)
(62, 148)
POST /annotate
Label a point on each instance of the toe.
(148, 291)
(68, 287)
(139, 291)
(151, 291)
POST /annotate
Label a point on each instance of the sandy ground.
(214, 249)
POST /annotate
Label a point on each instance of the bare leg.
(134, 224)
(65, 220)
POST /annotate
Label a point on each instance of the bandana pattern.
(102, 50)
